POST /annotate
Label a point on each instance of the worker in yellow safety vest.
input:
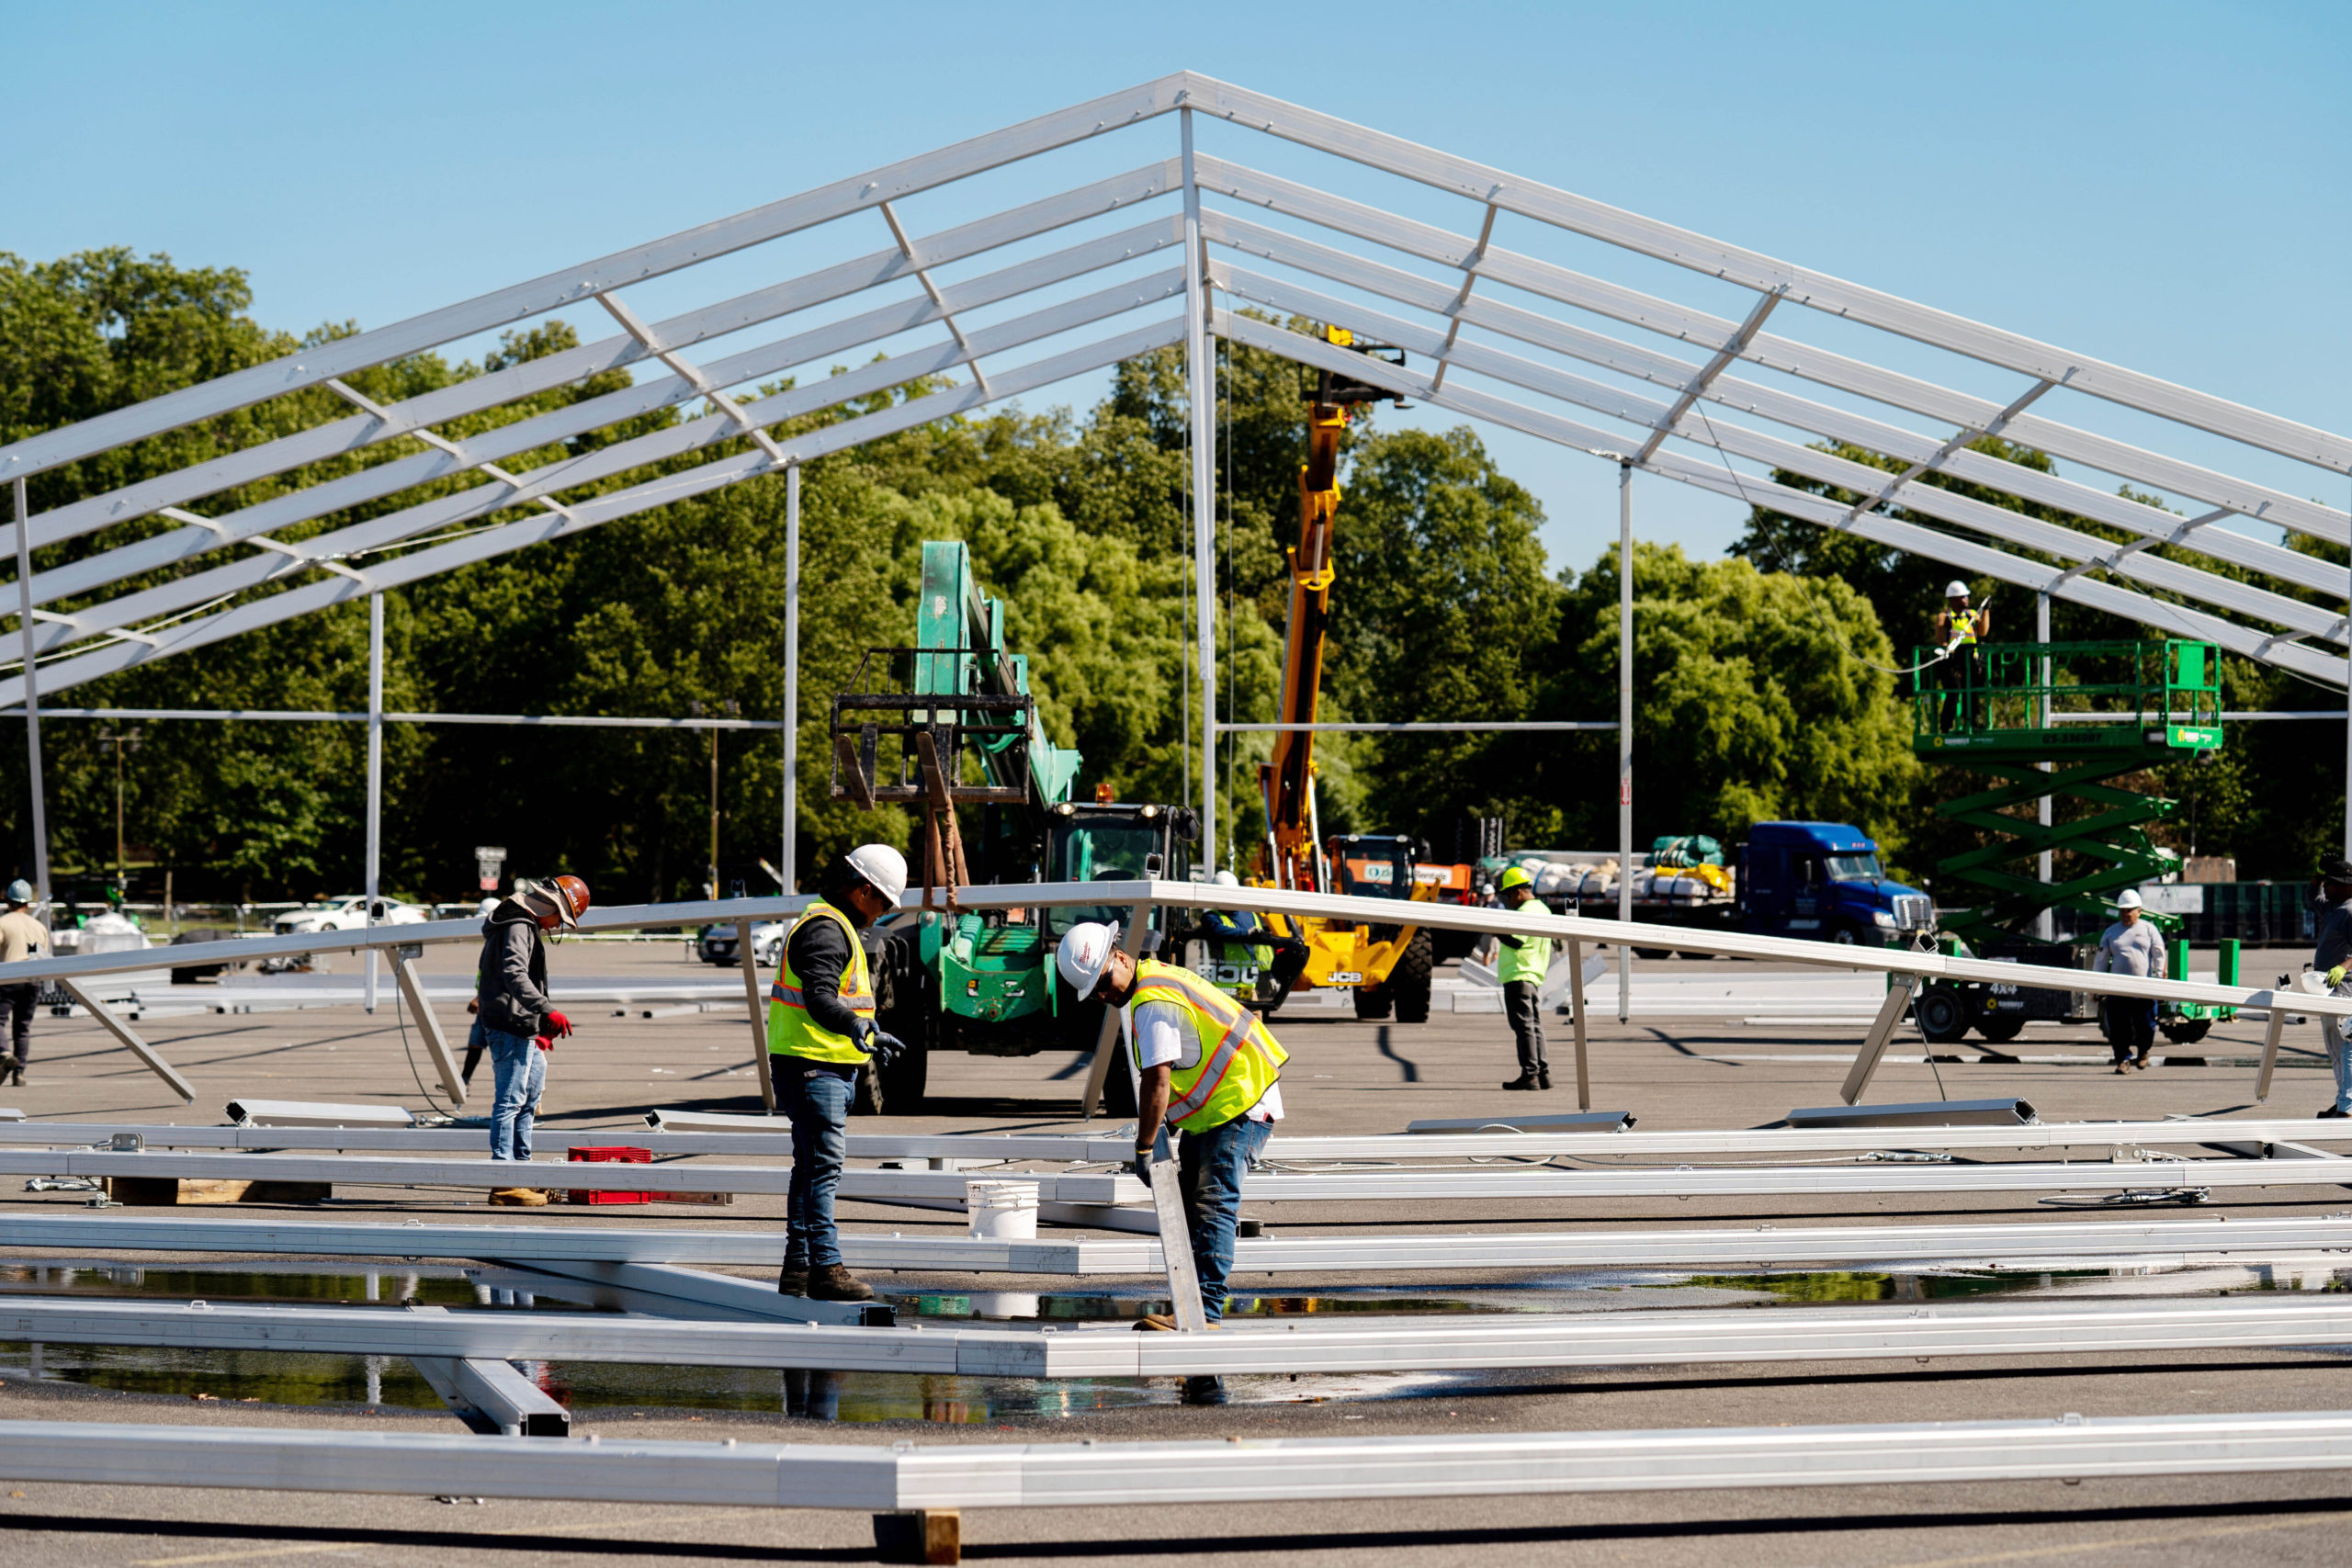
(1959, 668)
(1520, 964)
(821, 1035)
(1207, 1068)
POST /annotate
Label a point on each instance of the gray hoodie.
(514, 974)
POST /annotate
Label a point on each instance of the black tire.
(1843, 936)
(1942, 1015)
(1653, 953)
(1409, 981)
(2186, 1030)
(1373, 1001)
(2000, 1031)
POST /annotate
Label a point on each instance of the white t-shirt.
(1170, 1037)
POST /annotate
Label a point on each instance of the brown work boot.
(519, 1198)
(836, 1284)
(793, 1279)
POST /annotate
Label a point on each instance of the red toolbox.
(617, 1154)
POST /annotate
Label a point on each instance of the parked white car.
(716, 944)
(348, 913)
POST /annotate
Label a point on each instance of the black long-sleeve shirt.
(819, 953)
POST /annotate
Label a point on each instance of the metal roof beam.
(1978, 560)
(573, 285)
(557, 424)
(1714, 258)
(1735, 345)
(1999, 522)
(1564, 286)
(490, 543)
(682, 330)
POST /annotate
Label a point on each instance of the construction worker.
(2331, 909)
(1207, 1068)
(821, 1033)
(519, 1022)
(2131, 946)
(1520, 964)
(1961, 669)
(21, 937)
(1241, 935)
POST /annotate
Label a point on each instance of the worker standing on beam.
(21, 937)
(821, 1034)
(519, 1022)
(1208, 1068)
(1520, 964)
(1960, 669)
(2331, 954)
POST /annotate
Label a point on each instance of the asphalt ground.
(1344, 1076)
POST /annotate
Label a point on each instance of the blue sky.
(2160, 184)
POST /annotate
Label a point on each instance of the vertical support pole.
(2348, 712)
(33, 698)
(1624, 737)
(1575, 1002)
(788, 862)
(375, 772)
(2270, 1047)
(1201, 384)
(759, 1016)
(2044, 924)
(437, 1044)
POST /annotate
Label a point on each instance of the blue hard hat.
(20, 892)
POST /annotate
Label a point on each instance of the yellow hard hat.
(1515, 877)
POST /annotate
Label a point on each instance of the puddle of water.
(1113, 1306)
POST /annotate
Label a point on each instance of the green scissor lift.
(2142, 703)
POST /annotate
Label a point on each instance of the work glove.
(1142, 1167)
(884, 1048)
(2335, 977)
(558, 1026)
(543, 1043)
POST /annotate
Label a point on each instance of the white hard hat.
(1226, 879)
(883, 866)
(1082, 955)
(2128, 899)
(1956, 589)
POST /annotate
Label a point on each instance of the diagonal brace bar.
(1734, 346)
(113, 1025)
(922, 275)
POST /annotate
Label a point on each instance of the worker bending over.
(520, 1024)
(2332, 910)
(1961, 671)
(2131, 946)
(821, 1033)
(1207, 1068)
(21, 938)
(1520, 964)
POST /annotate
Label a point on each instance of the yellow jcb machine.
(1386, 966)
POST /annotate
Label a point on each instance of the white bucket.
(1002, 1211)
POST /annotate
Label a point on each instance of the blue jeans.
(521, 1071)
(816, 1097)
(2339, 1054)
(1211, 1164)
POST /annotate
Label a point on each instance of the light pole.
(122, 740)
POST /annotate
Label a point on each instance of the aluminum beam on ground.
(751, 1298)
(870, 1478)
(485, 1174)
(1331, 1345)
(1492, 1183)
(503, 1397)
(532, 1245)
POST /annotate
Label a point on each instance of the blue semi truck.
(1820, 881)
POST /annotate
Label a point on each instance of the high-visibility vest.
(1963, 630)
(791, 1032)
(1530, 961)
(1238, 1060)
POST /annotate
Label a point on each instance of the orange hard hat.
(570, 896)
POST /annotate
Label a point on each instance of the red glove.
(558, 1026)
(543, 1043)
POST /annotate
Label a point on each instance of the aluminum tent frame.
(1050, 281)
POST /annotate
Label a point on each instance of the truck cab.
(1823, 881)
